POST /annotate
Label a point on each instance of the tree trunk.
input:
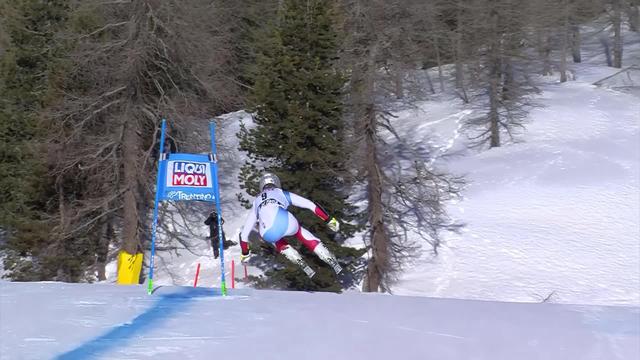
(398, 79)
(62, 272)
(617, 33)
(379, 263)
(430, 83)
(130, 149)
(104, 239)
(459, 50)
(634, 16)
(576, 43)
(462, 91)
(363, 95)
(459, 74)
(475, 72)
(459, 61)
(439, 61)
(544, 51)
(493, 111)
(607, 50)
(508, 80)
(564, 43)
(495, 76)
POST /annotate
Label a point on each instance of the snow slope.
(555, 214)
(79, 321)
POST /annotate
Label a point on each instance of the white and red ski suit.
(274, 223)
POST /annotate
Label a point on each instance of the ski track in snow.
(557, 213)
(442, 150)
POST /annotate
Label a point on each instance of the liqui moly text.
(189, 174)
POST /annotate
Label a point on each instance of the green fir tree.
(298, 135)
(27, 69)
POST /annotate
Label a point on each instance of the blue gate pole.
(155, 209)
(216, 189)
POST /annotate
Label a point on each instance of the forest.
(85, 84)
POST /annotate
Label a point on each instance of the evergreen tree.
(26, 71)
(298, 133)
(247, 20)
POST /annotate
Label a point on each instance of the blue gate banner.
(186, 177)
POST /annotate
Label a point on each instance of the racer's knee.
(307, 238)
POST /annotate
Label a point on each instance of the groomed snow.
(81, 321)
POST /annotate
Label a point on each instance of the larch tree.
(404, 201)
(132, 64)
(500, 29)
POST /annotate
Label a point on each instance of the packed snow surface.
(80, 321)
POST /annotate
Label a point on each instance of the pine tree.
(26, 71)
(298, 131)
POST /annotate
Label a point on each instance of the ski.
(306, 268)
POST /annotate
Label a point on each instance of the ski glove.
(333, 224)
(244, 258)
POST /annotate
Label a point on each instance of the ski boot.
(294, 256)
(325, 255)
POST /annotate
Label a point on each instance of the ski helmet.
(269, 179)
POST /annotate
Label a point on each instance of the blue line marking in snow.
(120, 335)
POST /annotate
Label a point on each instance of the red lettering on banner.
(203, 180)
(178, 179)
(189, 180)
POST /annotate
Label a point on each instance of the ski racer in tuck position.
(274, 222)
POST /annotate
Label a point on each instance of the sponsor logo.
(271, 201)
(189, 174)
(182, 196)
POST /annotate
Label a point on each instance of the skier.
(212, 221)
(274, 222)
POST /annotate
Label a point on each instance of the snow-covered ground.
(82, 322)
(556, 214)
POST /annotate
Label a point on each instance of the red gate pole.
(195, 281)
(233, 274)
